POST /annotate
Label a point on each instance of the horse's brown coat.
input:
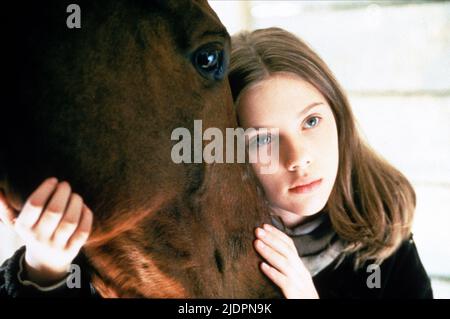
(96, 106)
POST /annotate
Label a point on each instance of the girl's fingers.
(33, 207)
(274, 242)
(277, 277)
(81, 234)
(278, 233)
(53, 213)
(292, 255)
(272, 257)
(289, 252)
(69, 222)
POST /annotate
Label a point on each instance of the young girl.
(341, 214)
(344, 210)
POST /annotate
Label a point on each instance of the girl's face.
(308, 143)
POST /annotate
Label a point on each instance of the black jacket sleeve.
(402, 275)
(408, 278)
(12, 286)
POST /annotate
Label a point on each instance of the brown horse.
(96, 106)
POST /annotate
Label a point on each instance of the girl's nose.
(300, 165)
(297, 157)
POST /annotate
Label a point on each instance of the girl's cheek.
(270, 164)
(270, 176)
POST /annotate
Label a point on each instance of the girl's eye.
(262, 139)
(312, 122)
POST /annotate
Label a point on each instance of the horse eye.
(207, 60)
(210, 63)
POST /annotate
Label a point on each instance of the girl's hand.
(284, 267)
(54, 224)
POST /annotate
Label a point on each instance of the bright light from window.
(268, 9)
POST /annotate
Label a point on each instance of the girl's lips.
(306, 188)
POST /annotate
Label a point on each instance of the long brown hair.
(372, 204)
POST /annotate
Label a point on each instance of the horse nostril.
(219, 260)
